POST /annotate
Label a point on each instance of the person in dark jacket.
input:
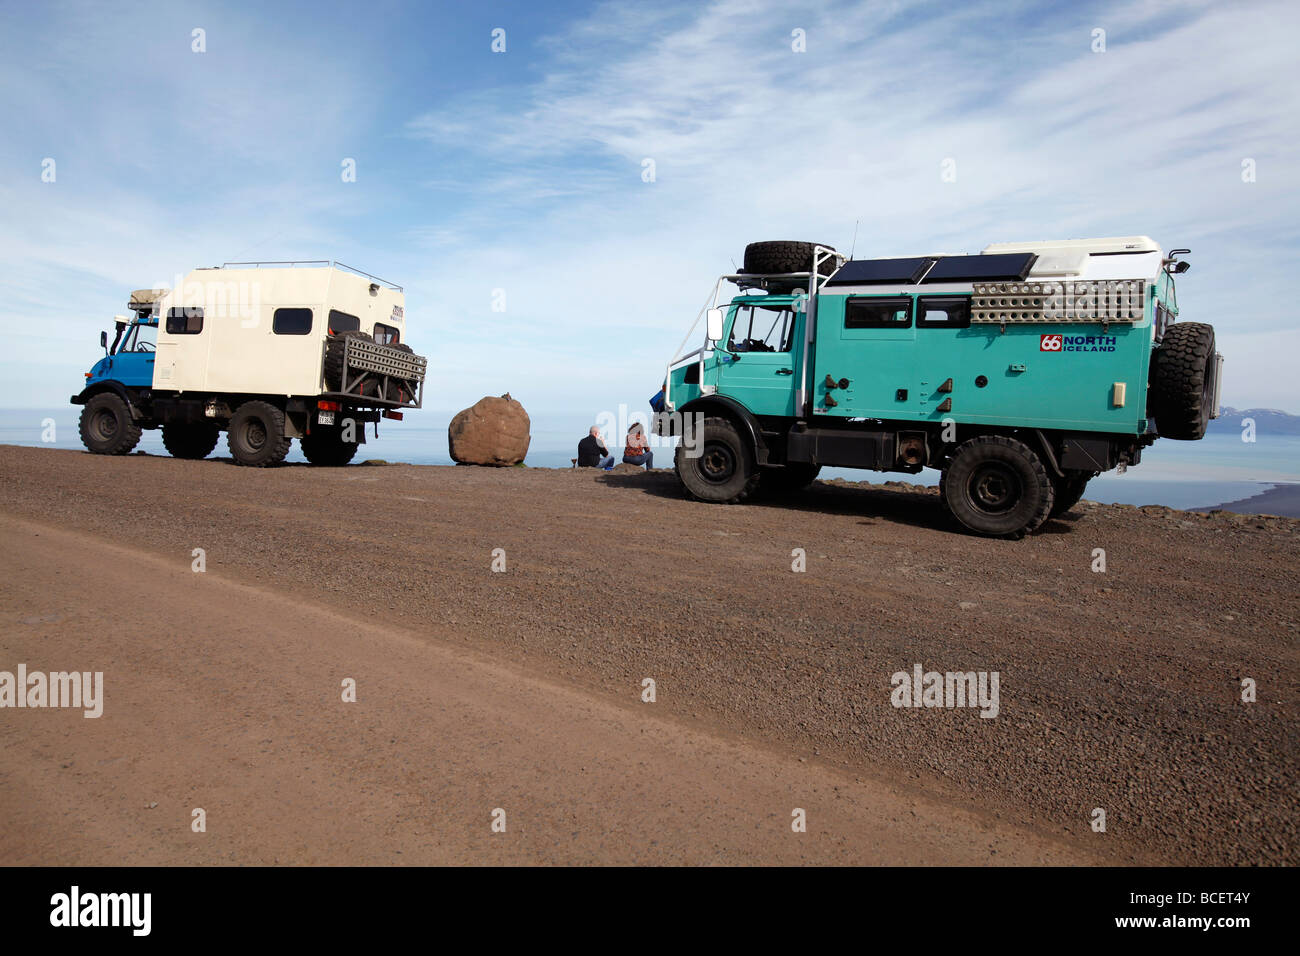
(592, 452)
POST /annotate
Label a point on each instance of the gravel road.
(1118, 689)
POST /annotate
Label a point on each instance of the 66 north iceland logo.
(1077, 343)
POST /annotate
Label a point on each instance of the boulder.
(492, 431)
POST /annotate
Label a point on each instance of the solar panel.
(1006, 265)
(881, 271)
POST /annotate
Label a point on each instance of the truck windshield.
(762, 328)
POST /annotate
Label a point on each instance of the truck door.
(756, 360)
(868, 342)
(182, 350)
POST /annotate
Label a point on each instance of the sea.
(1201, 474)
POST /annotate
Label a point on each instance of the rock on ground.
(492, 431)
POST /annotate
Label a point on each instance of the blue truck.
(267, 352)
(1020, 373)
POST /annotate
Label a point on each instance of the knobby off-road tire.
(792, 479)
(398, 390)
(1182, 381)
(775, 257)
(325, 447)
(1068, 492)
(256, 435)
(106, 425)
(192, 441)
(724, 472)
(334, 357)
(997, 486)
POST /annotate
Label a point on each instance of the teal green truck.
(1019, 373)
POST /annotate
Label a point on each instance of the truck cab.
(1019, 373)
(130, 359)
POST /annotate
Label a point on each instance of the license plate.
(325, 418)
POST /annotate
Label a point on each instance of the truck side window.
(291, 321)
(342, 322)
(761, 329)
(186, 321)
(878, 313)
(386, 334)
(947, 312)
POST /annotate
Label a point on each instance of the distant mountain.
(1268, 421)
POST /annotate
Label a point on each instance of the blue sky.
(522, 170)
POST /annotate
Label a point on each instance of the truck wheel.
(1182, 381)
(997, 486)
(334, 357)
(326, 447)
(106, 425)
(190, 441)
(724, 471)
(256, 435)
(1068, 492)
(772, 257)
(793, 478)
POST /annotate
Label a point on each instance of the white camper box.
(242, 328)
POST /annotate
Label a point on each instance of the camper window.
(291, 321)
(342, 322)
(186, 321)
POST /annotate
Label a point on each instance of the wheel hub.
(717, 463)
(104, 424)
(994, 489)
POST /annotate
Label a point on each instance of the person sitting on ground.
(637, 451)
(592, 452)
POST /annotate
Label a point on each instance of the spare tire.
(1182, 381)
(400, 390)
(777, 257)
(334, 357)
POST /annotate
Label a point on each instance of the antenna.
(855, 237)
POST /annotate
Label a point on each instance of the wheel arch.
(108, 385)
(740, 416)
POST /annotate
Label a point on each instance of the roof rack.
(328, 263)
(769, 281)
(822, 256)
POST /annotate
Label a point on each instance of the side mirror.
(714, 325)
(103, 340)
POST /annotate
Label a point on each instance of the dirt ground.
(521, 690)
